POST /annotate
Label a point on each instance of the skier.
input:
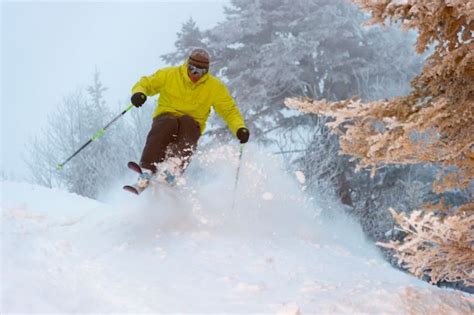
(187, 93)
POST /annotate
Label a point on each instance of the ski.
(166, 177)
(135, 188)
(135, 167)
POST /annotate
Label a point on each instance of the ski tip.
(134, 166)
(131, 189)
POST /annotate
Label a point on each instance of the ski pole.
(237, 175)
(97, 135)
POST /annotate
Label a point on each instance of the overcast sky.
(51, 49)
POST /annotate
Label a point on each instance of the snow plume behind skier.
(271, 204)
(186, 95)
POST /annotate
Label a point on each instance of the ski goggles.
(195, 70)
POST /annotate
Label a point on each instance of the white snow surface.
(183, 249)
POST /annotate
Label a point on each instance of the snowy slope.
(184, 250)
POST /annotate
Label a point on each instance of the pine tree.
(269, 50)
(189, 37)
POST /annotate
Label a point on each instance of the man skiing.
(187, 93)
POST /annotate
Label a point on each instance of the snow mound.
(184, 249)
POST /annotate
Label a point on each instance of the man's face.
(195, 73)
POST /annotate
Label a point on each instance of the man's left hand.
(243, 135)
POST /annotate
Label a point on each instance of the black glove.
(243, 135)
(138, 99)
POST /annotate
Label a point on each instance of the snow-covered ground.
(184, 249)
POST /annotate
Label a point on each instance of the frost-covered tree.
(57, 140)
(434, 123)
(440, 247)
(79, 117)
(189, 37)
(269, 50)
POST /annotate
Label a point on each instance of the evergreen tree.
(189, 37)
(269, 50)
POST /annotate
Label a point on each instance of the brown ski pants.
(170, 136)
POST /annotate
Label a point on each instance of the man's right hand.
(138, 99)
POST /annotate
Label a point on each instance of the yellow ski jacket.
(180, 96)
